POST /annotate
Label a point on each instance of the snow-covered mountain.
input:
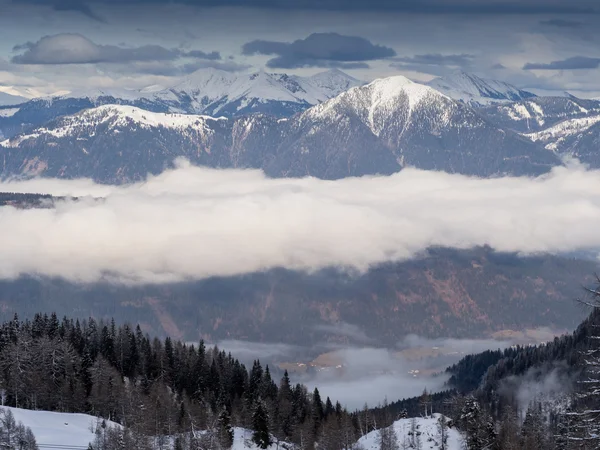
(537, 114)
(578, 138)
(215, 92)
(421, 432)
(377, 128)
(414, 125)
(477, 91)
(206, 91)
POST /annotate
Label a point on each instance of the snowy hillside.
(53, 429)
(476, 91)
(554, 136)
(427, 433)
(242, 440)
(84, 124)
(62, 430)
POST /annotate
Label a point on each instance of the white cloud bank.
(193, 222)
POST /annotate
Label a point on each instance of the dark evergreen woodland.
(158, 388)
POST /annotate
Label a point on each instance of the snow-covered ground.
(242, 440)
(53, 429)
(427, 432)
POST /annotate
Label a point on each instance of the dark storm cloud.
(80, 6)
(573, 63)
(319, 50)
(562, 23)
(70, 48)
(415, 6)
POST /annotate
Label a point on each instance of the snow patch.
(8, 112)
(554, 135)
(58, 429)
(427, 434)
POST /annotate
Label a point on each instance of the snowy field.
(429, 435)
(52, 430)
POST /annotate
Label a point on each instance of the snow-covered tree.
(388, 439)
(442, 426)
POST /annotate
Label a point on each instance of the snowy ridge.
(472, 89)
(427, 434)
(94, 94)
(115, 116)
(215, 90)
(556, 134)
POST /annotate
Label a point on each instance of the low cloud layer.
(192, 222)
(319, 50)
(359, 374)
(70, 48)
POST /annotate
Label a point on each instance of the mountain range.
(329, 125)
(207, 91)
(219, 93)
(376, 128)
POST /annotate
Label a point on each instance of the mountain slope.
(419, 126)
(578, 138)
(477, 91)
(445, 294)
(539, 113)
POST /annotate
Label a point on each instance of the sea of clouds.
(194, 222)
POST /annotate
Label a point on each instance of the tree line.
(160, 389)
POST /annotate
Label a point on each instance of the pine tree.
(388, 439)
(425, 402)
(533, 430)
(580, 426)
(260, 425)
(478, 426)
(442, 426)
(508, 437)
(225, 431)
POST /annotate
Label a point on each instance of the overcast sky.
(49, 46)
